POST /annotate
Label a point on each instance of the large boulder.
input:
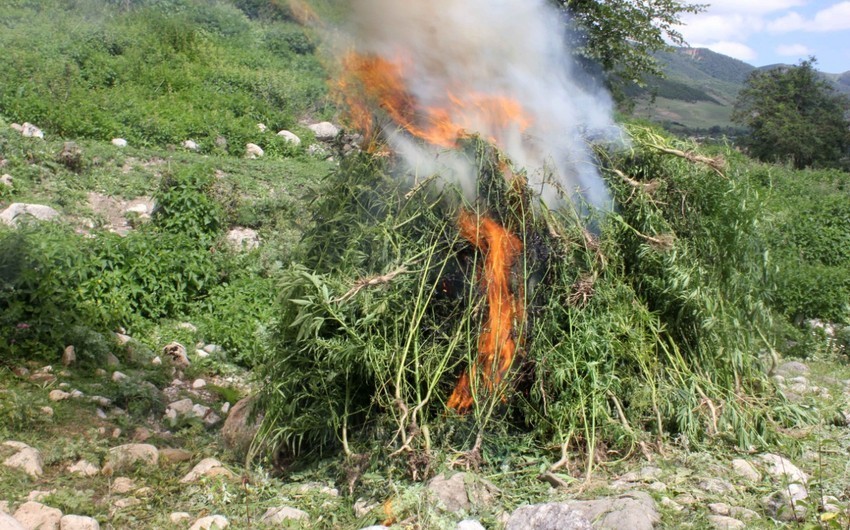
(239, 430)
(550, 516)
(290, 137)
(632, 511)
(207, 468)
(324, 131)
(26, 459)
(217, 522)
(78, 522)
(7, 522)
(129, 455)
(34, 515)
(461, 491)
(19, 210)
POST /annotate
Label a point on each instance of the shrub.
(184, 205)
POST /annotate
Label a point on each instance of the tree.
(794, 115)
(621, 35)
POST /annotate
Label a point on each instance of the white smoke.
(511, 48)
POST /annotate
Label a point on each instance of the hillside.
(699, 89)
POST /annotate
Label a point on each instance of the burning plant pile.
(481, 269)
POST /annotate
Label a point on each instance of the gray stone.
(213, 349)
(253, 151)
(632, 511)
(743, 514)
(69, 356)
(715, 485)
(746, 470)
(324, 130)
(7, 180)
(176, 352)
(207, 468)
(461, 491)
(27, 460)
(4, 506)
(290, 137)
(198, 384)
(239, 428)
(117, 377)
(179, 517)
(127, 503)
(792, 367)
(719, 508)
(84, 468)
(119, 142)
(7, 522)
(168, 455)
(187, 326)
(241, 239)
(781, 468)
(721, 522)
(212, 522)
(123, 485)
(550, 516)
(206, 414)
(58, 395)
(283, 513)
(469, 524)
(191, 145)
(34, 515)
(38, 495)
(782, 506)
(18, 210)
(78, 522)
(128, 455)
(262, 127)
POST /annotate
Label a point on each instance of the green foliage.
(185, 205)
(794, 116)
(155, 73)
(651, 327)
(622, 35)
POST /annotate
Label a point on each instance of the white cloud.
(752, 7)
(833, 18)
(707, 27)
(793, 50)
(738, 50)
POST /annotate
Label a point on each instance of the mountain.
(699, 89)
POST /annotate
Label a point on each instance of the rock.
(176, 353)
(71, 156)
(179, 409)
(119, 142)
(84, 468)
(118, 377)
(461, 491)
(122, 339)
(34, 515)
(58, 395)
(202, 354)
(276, 516)
(363, 506)
(169, 455)
(206, 414)
(187, 326)
(39, 496)
(213, 348)
(225, 408)
(179, 517)
(19, 210)
(31, 131)
(469, 524)
(780, 468)
(721, 522)
(26, 459)
(69, 356)
(792, 367)
(4, 506)
(198, 384)
(290, 137)
(782, 505)
(262, 127)
(7, 522)
(212, 522)
(746, 470)
(317, 151)
(191, 145)
(128, 455)
(78, 522)
(240, 428)
(123, 485)
(670, 503)
(551, 516)
(100, 400)
(631, 511)
(253, 151)
(324, 131)
(156, 361)
(243, 239)
(208, 468)
(743, 514)
(6, 180)
(126, 503)
(719, 508)
(715, 485)
(47, 411)
(16, 127)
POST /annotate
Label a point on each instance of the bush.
(184, 205)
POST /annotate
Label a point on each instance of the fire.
(369, 82)
(498, 342)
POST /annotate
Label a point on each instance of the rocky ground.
(157, 439)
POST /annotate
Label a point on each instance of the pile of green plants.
(156, 72)
(643, 330)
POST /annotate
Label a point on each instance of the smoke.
(453, 52)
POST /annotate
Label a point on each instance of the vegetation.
(795, 117)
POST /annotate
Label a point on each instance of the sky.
(762, 32)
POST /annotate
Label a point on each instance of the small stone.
(100, 372)
(743, 514)
(551, 516)
(781, 468)
(719, 508)
(16, 127)
(127, 503)
(202, 354)
(460, 491)
(243, 239)
(225, 408)
(721, 522)
(792, 367)
(238, 432)
(176, 352)
(19, 210)
(290, 137)
(658, 486)
(715, 485)
(156, 361)
(77, 394)
(179, 517)
(31, 131)
(128, 455)
(324, 131)
(191, 145)
(362, 507)
(141, 434)
(217, 522)
(670, 503)
(116, 432)
(39, 496)
(78, 522)
(197, 384)
(69, 356)
(469, 524)
(262, 127)
(169, 455)
(123, 485)
(34, 515)
(746, 470)
(209, 468)
(119, 142)
(84, 468)
(102, 415)
(213, 349)
(6, 180)
(47, 411)
(276, 516)
(187, 326)
(118, 377)
(253, 151)
(100, 400)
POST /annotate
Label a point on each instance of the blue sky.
(774, 31)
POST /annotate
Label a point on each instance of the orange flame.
(369, 82)
(497, 344)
